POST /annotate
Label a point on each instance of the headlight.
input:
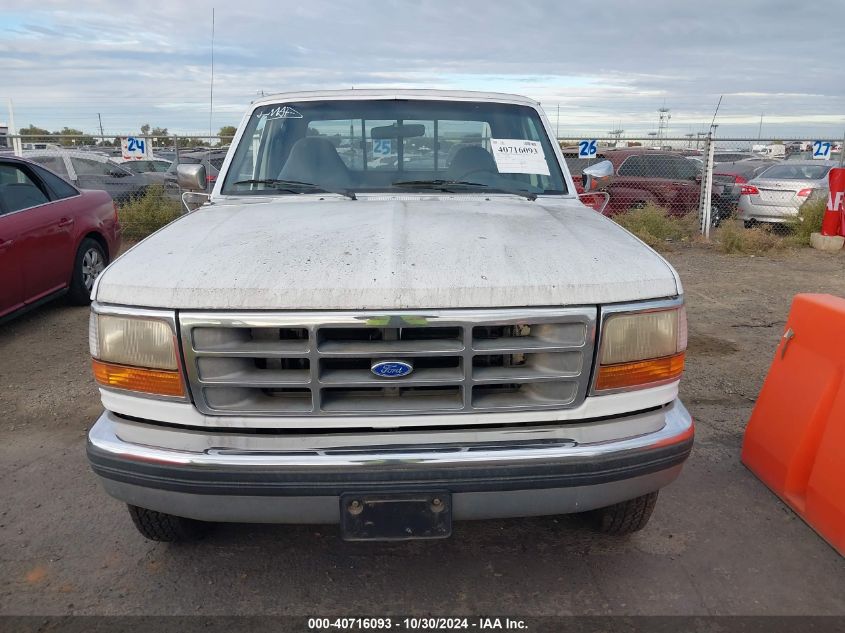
(641, 349)
(135, 353)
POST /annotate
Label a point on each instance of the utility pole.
(842, 153)
(17, 145)
(102, 136)
(760, 129)
(664, 115)
(557, 129)
(211, 87)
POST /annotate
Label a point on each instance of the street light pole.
(557, 128)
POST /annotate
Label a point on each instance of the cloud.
(601, 64)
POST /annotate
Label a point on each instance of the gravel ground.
(719, 542)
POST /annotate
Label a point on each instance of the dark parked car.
(54, 238)
(213, 161)
(642, 176)
(732, 156)
(153, 169)
(91, 170)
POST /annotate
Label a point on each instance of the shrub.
(147, 214)
(733, 237)
(654, 226)
(808, 220)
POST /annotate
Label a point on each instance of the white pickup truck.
(393, 312)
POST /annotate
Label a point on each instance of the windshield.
(394, 146)
(786, 171)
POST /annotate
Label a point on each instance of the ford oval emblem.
(391, 368)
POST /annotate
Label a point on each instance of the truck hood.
(390, 253)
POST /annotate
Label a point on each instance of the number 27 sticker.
(821, 150)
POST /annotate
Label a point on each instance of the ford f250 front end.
(393, 313)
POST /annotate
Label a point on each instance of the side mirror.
(191, 177)
(594, 173)
(596, 200)
(192, 200)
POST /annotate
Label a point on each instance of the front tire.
(89, 263)
(716, 216)
(625, 517)
(167, 528)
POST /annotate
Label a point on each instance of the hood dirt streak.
(337, 254)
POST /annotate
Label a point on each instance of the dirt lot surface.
(719, 542)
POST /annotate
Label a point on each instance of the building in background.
(4, 135)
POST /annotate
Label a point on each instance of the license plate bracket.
(395, 516)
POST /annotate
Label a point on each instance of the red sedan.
(54, 238)
(643, 176)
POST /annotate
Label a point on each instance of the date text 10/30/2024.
(417, 624)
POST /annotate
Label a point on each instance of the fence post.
(706, 193)
(842, 152)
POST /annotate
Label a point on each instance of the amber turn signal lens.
(157, 381)
(640, 373)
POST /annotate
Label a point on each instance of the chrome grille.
(295, 364)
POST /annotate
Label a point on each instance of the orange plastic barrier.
(795, 440)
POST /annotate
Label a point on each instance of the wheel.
(639, 204)
(750, 224)
(89, 263)
(626, 517)
(158, 526)
(715, 216)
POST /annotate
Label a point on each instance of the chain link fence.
(758, 183)
(698, 180)
(139, 172)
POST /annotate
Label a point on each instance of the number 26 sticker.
(587, 149)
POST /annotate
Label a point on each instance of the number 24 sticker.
(135, 145)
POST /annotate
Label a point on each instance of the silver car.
(776, 194)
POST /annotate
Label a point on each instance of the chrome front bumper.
(498, 472)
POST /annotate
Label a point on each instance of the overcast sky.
(608, 63)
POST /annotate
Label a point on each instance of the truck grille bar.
(311, 364)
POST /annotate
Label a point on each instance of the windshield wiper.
(295, 186)
(449, 185)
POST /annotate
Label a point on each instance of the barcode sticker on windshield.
(518, 156)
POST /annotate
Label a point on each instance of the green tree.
(35, 134)
(79, 137)
(159, 136)
(145, 129)
(226, 134)
(190, 141)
